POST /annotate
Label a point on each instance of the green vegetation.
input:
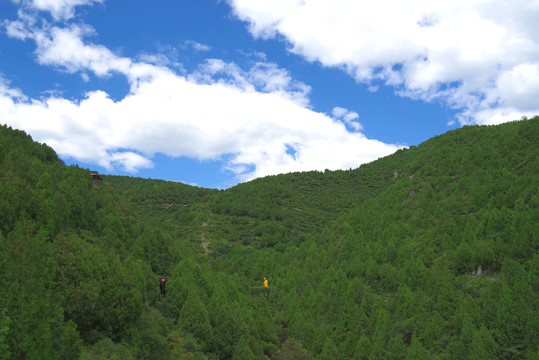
(430, 253)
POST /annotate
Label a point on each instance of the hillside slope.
(443, 262)
(432, 252)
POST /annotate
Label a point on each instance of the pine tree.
(242, 351)
(292, 350)
(483, 346)
(416, 351)
(5, 354)
(194, 319)
(225, 321)
(379, 337)
(362, 348)
(396, 349)
(330, 351)
(36, 326)
(264, 322)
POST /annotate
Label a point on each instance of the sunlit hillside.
(430, 253)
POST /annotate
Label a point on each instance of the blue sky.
(215, 92)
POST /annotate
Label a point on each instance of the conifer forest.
(429, 253)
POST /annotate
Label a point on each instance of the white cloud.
(262, 77)
(64, 47)
(177, 117)
(130, 161)
(59, 9)
(7, 92)
(196, 45)
(519, 87)
(461, 52)
(248, 117)
(348, 117)
(497, 116)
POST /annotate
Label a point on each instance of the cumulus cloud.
(59, 9)
(465, 54)
(251, 118)
(64, 47)
(177, 117)
(262, 77)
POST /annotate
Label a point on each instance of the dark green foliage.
(106, 349)
(396, 349)
(194, 319)
(416, 351)
(242, 351)
(292, 350)
(432, 252)
(153, 332)
(34, 322)
(5, 321)
(483, 345)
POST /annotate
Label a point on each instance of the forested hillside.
(430, 253)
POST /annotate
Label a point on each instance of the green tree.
(120, 302)
(242, 351)
(106, 349)
(396, 349)
(513, 315)
(4, 328)
(153, 331)
(330, 351)
(302, 326)
(483, 345)
(225, 320)
(80, 271)
(416, 351)
(380, 335)
(264, 322)
(292, 350)
(415, 273)
(37, 328)
(362, 348)
(194, 319)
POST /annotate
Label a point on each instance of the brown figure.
(162, 285)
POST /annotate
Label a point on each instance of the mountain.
(432, 252)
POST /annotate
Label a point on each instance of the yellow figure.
(265, 282)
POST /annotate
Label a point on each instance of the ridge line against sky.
(213, 93)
